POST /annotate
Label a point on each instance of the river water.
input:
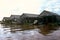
(18, 32)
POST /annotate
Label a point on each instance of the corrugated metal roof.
(47, 13)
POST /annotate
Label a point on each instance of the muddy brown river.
(18, 32)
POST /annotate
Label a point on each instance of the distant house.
(27, 18)
(48, 17)
(6, 20)
(15, 18)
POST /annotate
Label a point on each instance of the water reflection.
(47, 29)
(29, 32)
(44, 29)
(14, 28)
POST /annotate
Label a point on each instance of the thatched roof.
(29, 15)
(14, 16)
(6, 18)
(47, 13)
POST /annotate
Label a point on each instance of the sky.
(53, 6)
(17, 7)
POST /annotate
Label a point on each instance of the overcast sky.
(17, 7)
